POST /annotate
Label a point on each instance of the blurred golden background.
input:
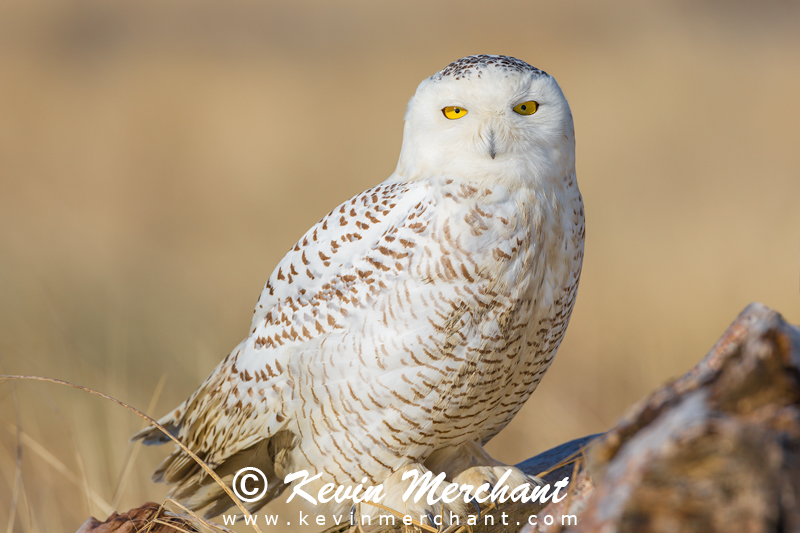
(158, 158)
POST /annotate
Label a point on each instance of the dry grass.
(150, 421)
(157, 160)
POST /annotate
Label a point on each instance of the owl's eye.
(453, 112)
(527, 108)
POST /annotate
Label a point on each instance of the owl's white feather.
(415, 319)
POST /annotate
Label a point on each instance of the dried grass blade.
(153, 422)
(133, 452)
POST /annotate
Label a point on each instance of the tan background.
(158, 158)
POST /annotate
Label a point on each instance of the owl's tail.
(171, 422)
(195, 489)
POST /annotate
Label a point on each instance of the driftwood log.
(717, 450)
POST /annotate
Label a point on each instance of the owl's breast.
(526, 262)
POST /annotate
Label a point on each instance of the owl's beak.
(492, 149)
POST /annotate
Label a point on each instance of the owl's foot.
(502, 481)
(470, 466)
(420, 499)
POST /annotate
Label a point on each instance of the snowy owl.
(410, 324)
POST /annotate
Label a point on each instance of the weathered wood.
(140, 519)
(717, 450)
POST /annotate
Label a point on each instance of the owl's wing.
(236, 417)
(388, 347)
(340, 238)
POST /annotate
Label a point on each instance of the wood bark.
(717, 450)
(149, 517)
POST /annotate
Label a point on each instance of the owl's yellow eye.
(453, 112)
(527, 108)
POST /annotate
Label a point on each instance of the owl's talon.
(430, 518)
(477, 507)
(353, 515)
(491, 489)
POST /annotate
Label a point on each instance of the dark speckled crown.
(469, 65)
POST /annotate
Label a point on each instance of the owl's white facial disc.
(488, 140)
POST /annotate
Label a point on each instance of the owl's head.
(488, 117)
